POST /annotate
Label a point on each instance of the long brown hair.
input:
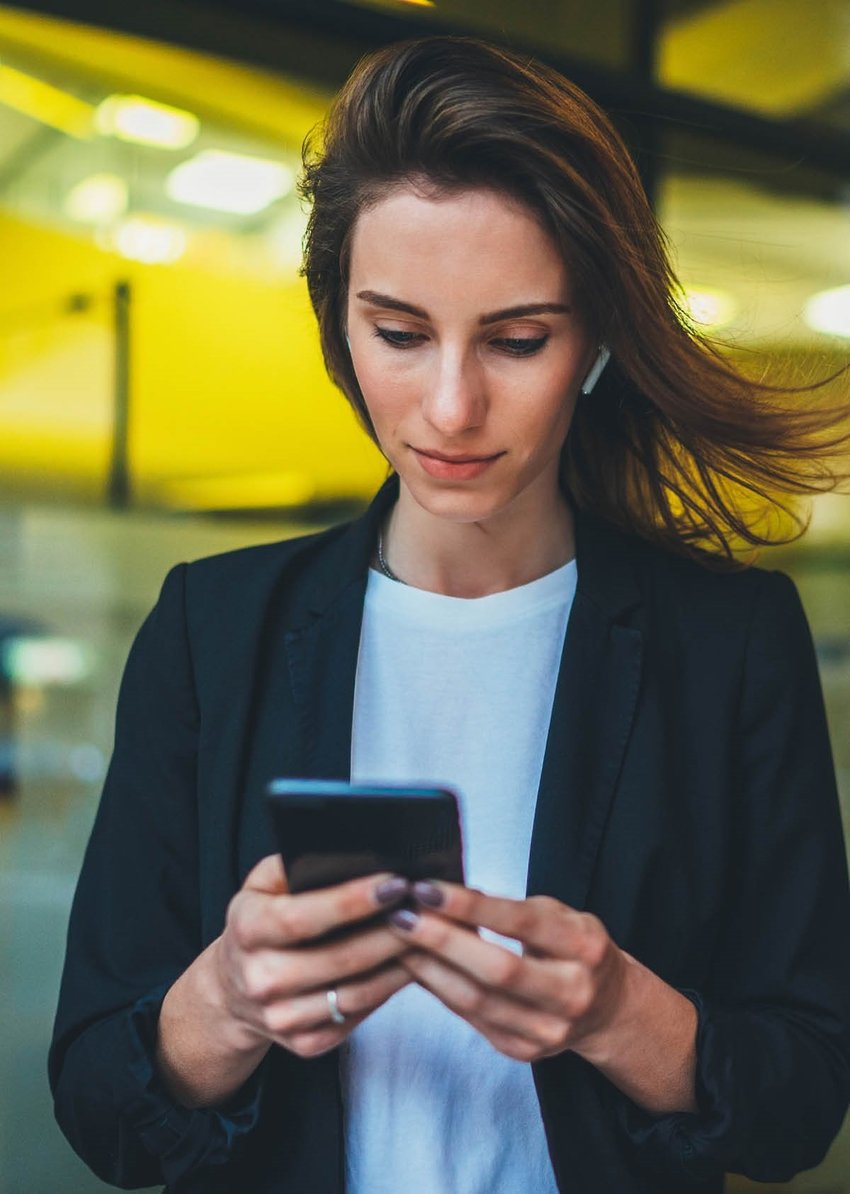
(674, 444)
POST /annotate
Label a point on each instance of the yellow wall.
(55, 367)
(230, 404)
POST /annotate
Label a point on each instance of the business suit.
(687, 798)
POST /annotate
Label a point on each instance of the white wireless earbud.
(602, 359)
(348, 342)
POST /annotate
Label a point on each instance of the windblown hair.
(674, 444)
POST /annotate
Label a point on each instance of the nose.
(455, 399)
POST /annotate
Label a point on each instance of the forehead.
(476, 243)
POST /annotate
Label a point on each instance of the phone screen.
(329, 832)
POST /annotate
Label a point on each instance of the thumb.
(268, 875)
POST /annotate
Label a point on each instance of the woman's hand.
(571, 988)
(562, 992)
(275, 977)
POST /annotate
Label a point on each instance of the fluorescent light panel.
(99, 199)
(710, 307)
(829, 311)
(148, 239)
(229, 182)
(135, 118)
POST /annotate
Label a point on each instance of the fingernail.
(428, 893)
(391, 889)
(403, 918)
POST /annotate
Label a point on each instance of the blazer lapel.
(303, 687)
(592, 715)
(322, 650)
(322, 668)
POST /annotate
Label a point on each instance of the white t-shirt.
(459, 692)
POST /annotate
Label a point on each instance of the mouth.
(442, 466)
(449, 459)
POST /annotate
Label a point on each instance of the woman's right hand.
(275, 978)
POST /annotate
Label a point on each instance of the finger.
(270, 975)
(535, 980)
(541, 923)
(313, 1042)
(268, 875)
(328, 965)
(355, 1000)
(486, 1010)
(262, 920)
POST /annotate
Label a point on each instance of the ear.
(602, 359)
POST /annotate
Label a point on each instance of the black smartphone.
(329, 831)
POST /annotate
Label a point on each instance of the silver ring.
(333, 1007)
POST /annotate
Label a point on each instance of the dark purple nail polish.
(391, 890)
(403, 918)
(428, 894)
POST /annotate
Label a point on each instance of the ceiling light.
(709, 307)
(134, 118)
(230, 182)
(45, 103)
(99, 199)
(46, 660)
(829, 311)
(148, 239)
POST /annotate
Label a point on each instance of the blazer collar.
(605, 560)
(344, 563)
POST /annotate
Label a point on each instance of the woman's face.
(467, 347)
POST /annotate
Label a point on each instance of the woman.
(539, 607)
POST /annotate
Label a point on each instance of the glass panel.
(782, 58)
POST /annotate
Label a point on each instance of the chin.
(456, 503)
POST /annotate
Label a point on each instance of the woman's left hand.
(565, 988)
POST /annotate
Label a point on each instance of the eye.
(520, 347)
(397, 339)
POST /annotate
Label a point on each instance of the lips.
(455, 459)
(454, 468)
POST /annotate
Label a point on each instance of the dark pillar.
(118, 485)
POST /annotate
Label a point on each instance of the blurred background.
(162, 395)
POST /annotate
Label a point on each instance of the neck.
(474, 559)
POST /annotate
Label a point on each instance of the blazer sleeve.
(134, 928)
(773, 1039)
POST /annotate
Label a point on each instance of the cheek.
(387, 392)
(563, 393)
(547, 414)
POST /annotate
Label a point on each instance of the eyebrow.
(394, 304)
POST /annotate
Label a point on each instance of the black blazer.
(687, 798)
